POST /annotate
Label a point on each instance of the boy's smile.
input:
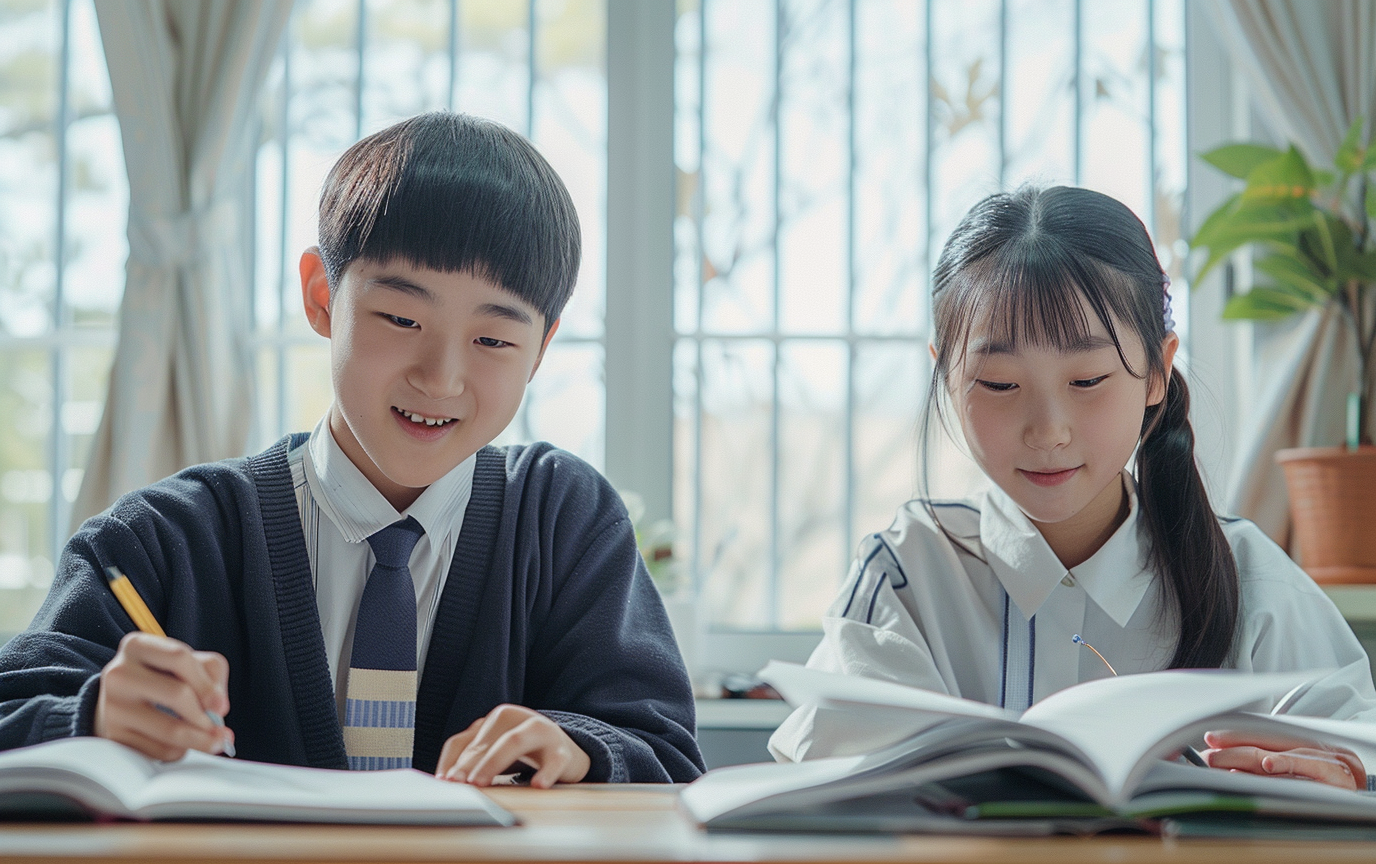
(427, 367)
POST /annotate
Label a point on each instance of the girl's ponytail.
(1187, 546)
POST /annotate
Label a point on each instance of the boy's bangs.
(1018, 297)
(455, 194)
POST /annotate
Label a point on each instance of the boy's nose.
(439, 373)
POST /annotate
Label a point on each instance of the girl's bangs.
(1028, 296)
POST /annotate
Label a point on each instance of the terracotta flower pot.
(1333, 503)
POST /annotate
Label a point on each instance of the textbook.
(99, 778)
(1091, 757)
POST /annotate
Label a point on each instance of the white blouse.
(986, 611)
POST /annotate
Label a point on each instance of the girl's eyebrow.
(1083, 345)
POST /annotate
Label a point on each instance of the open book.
(1099, 750)
(98, 777)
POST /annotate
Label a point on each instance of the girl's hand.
(1277, 756)
(507, 735)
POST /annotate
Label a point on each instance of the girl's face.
(1053, 428)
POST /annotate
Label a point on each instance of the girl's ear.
(931, 349)
(1157, 391)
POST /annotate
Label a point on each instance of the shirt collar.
(1115, 577)
(358, 510)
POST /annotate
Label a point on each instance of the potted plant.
(1311, 232)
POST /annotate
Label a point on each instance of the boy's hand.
(1276, 756)
(154, 696)
(507, 735)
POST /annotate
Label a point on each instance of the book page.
(97, 772)
(801, 685)
(201, 786)
(1120, 723)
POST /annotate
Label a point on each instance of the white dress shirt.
(329, 484)
(986, 611)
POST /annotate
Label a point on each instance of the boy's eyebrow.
(499, 310)
(985, 348)
(405, 286)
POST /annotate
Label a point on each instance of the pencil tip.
(112, 573)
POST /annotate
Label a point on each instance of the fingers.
(205, 672)
(529, 742)
(154, 696)
(1222, 739)
(456, 745)
(1305, 763)
(510, 734)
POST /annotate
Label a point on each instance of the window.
(62, 250)
(351, 67)
(825, 150)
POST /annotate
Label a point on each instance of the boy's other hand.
(1276, 756)
(507, 735)
(154, 696)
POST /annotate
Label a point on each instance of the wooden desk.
(621, 824)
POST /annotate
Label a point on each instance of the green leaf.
(1323, 178)
(1351, 154)
(1263, 304)
(1238, 160)
(1238, 223)
(1296, 275)
(1285, 178)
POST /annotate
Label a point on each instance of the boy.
(312, 576)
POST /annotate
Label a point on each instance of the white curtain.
(185, 75)
(1311, 68)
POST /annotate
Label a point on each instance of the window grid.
(281, 338)
(700, 333)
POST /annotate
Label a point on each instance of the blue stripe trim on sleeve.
(869, 615)
(860, 576)
(1003, 680)
(899, 567)
(1031, 658)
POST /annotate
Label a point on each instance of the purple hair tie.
(1166, 289)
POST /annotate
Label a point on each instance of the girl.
(1053, 341)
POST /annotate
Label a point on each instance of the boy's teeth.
(416, 418)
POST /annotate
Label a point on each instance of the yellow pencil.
(143, 619)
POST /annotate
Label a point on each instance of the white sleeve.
(867, 632)
(1290, 624)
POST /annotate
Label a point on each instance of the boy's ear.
(554, 328)
(1157, 391)
(315, 291)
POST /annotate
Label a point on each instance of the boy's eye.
(489, 342)
(996, 386)
(400, 321)
(1087, 382)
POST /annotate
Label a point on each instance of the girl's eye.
(996, 386)
(1084, 383)
(400, 321)
(488, 342)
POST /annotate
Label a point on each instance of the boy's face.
(427, 367)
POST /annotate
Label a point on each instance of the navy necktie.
(380, 696)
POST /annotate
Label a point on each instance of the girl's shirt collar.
(1116, 577)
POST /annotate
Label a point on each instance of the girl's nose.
(1047, 429)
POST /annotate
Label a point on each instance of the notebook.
(99, 778)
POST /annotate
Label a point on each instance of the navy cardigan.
(547, 604)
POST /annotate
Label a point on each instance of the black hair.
(454, 193)
(1014, 264)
